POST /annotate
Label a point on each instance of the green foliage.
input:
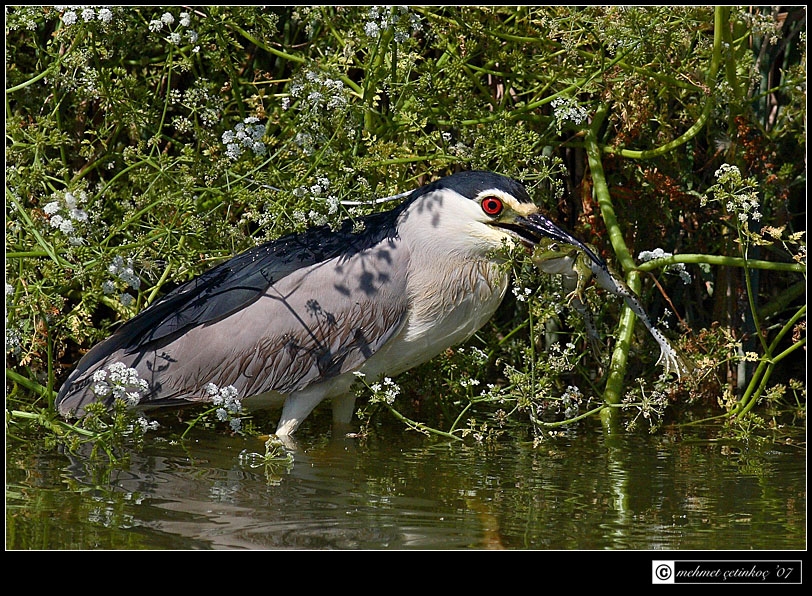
(145, 144)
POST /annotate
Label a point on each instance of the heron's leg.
(343, 409)
(298, 407)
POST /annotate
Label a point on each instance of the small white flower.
(100, 389)
(65, 226)
(167, 18)
(69, 18)
(105, 15)
(51, 208)
(78, 214)
(155, 25)
(185, 19)
(371, 29)
(126, 299)
(233, 151)
(727, 169)
(88, 14)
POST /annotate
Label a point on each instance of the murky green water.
(675, 490)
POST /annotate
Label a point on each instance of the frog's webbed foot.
(575, 297)
(669, 358)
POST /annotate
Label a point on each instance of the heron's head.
(480, 211)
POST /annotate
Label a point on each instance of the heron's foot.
(284, 441)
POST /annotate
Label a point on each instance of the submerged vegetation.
(145, 144)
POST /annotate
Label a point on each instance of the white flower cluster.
(64, 213)
(399, 18)
(565, 109)
(659, 253)
(198, 100)
(559, 360)
(317, 191)
(175, 36)
(229, 402)
(465, 383)
(742, 200)
(246, 135)
(571, 400)
(386, 392)
(71, 14)
(317, 92)
(146, 424)
(124, 271)
(522, 294)
(728, 173)
(121, 382)
(14, 340)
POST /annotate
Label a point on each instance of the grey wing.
(312, 324)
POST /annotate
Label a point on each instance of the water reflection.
(399, 491)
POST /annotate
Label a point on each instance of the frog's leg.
(567, 261)
(668, 355)
(575, 284)
(582, 272)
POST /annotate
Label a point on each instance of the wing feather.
(152, 340)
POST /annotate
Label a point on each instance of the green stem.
(719, 260)
(751, 301)
(720, 23)
(522, 111)
(30, 385)
(420, 426)
(459, 418)
(764, 370)
(46, 246)
(617, 367)
(48, 71)
(54, 425)
(266, 47)
(591, 412)
(164, 275)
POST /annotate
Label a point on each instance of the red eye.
(492, 205)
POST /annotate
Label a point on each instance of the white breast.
(441, 318)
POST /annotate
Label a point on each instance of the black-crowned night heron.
(292, 320)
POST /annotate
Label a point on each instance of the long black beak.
(540, 227)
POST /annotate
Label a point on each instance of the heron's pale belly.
(440, 319)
